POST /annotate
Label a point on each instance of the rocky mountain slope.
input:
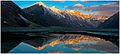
(54, 17)
(112, 22)
(11, 15)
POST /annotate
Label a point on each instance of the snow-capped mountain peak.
(54, 9)
(40, 4)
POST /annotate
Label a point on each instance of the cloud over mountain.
(104, 9)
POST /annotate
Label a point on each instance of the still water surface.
(69, 43)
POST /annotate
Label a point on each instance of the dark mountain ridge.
(11, 15)
(112, 22)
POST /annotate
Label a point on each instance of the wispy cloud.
(76, 6)
(104, 9)
(112, 6)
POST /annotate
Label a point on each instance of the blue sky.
(89, 7)
(59, 5)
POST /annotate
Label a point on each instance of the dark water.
(68, 43)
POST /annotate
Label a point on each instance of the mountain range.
(39, 15)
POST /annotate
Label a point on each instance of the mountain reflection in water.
(70, 43)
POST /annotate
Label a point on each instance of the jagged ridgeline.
(40, 15)
(112, 22)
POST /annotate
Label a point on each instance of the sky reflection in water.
(69, 44)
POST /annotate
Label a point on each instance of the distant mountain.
(95, 22)
(54, 17)
(112, 22)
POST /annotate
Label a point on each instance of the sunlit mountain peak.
(40, 3)
(72, 11)
(69, 11)
(54, 9)
(76, 13)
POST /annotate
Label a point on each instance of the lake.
(67, 43)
